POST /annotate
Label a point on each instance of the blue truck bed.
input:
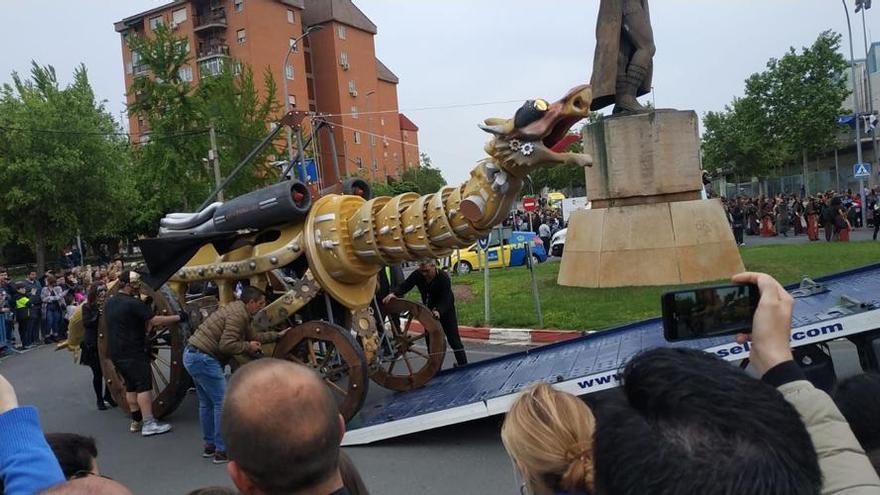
(590, 363)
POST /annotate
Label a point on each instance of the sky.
(466, 56)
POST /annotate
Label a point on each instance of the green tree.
(788, 112)
(425, 177)
(63, 162)
(172, 173)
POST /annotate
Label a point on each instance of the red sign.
(529, 204)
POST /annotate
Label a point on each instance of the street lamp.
(852, 59)
(862, 6)
(370, 132)
(290, 50)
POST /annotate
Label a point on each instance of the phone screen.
(709, 311)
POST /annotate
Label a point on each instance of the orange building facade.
(334, 72)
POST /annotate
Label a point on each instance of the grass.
(571, 308)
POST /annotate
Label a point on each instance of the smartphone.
(709, 311)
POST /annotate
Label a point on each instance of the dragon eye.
(531, 111)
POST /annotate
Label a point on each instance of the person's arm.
(27, 464)
(404, 287)
(845, 467)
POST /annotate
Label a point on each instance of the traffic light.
(862, 4)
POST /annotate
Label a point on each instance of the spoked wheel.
(170, 379)
(334, 354)
(408, 360)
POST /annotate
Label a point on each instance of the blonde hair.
(549, 436)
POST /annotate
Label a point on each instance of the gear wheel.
(515, 144)
(527, 149)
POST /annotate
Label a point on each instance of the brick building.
(333, 71)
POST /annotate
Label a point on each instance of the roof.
(385, 73)
(407, 125)
(137, 18)
(342, 11)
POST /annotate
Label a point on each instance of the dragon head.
(526, 141)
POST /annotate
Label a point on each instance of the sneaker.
(220, 457)
(155, 428)
(102, 406)
(209, 451)
(135, 426)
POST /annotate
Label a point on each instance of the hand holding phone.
(771, 328)
(709, 311)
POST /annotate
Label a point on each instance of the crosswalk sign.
(861, 170)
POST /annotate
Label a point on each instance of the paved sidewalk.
(854, 235)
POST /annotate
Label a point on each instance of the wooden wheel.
(408, 360)
(334, 354)
(170, 379)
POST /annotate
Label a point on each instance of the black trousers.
(449, 322)
(738, 234)
(876, 226)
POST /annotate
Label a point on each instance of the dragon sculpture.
(335, 246)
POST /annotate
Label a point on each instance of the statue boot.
(628, 89)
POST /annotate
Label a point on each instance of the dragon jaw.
(525, 142)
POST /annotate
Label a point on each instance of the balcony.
(140, 70)
(212, 51)
(214, 20)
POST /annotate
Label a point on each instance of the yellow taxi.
(508, 249)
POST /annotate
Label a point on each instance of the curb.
(510, 336)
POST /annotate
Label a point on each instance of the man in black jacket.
(436, 290)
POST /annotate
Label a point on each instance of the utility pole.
(214, 158)
(865, 6)
(373, 168)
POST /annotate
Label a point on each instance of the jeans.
(53, 321)
(207, 374)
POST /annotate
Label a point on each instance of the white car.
(557, 243)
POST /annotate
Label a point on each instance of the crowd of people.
(36, 310)
(683, 422)
(834, 213)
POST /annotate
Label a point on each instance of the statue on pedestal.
(623, 64)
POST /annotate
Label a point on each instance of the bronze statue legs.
(638, 32)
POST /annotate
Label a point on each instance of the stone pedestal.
(648, 225)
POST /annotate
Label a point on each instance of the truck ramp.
(840, 305)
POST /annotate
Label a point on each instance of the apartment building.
(333, 71)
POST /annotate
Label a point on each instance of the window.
(290, 17)
(357, 137)
(178, 16)
(129, 68)
(236, 68)
(375, 164)
(211, 67)
(343, 60)
(352, 87)
(382, 122)
(239, 5)
(372, 140)
(291, 100)
(342, 31)
(360, 162)
(185, 73)
(241, 36)
(288, 71)
(155, 22)
(354, 112)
